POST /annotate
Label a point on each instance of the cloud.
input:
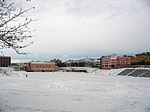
(91, 7)
(90, 27)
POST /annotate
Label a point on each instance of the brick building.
(113, 61)
(41, 67)
(5, 61)
(123, 62)
(141, 59)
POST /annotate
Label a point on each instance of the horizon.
(24, 58)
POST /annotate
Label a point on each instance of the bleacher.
(147, 74)
(126, 72)
(136, 72)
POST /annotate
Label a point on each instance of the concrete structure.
(113, 61)
(41, 66)
(5, 61)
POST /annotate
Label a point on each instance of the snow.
(101, 91)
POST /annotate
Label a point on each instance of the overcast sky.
(88, 28)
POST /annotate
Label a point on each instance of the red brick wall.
(123, 61)
(32, 67)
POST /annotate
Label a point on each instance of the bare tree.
(14, 27)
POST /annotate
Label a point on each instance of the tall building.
(5, 61)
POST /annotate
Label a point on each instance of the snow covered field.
(74, 92)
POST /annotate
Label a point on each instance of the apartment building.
(5, 61)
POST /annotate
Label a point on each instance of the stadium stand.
(126, 72)
(136, 72)
(147, 74)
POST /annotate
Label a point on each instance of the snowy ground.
(101, 91)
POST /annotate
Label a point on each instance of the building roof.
(41, 62)
(145, 53)
(6, 56)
